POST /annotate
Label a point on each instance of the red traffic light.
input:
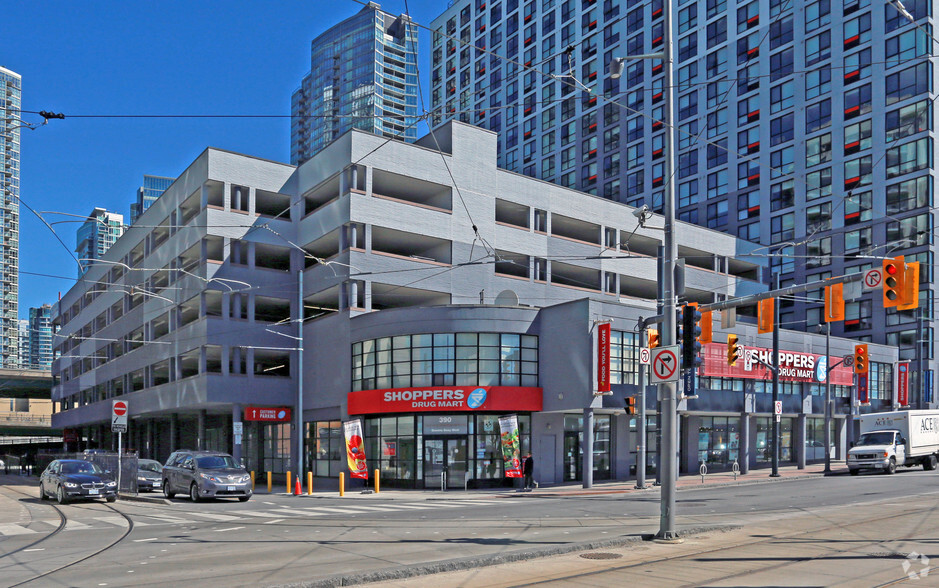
(890, 268)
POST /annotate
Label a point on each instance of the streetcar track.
(62, 523)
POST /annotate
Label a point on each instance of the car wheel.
(194, 492)
(60, 496)
(930, 463)
(111, 498)
(855, 472)
(892, 467)
(42, 492)
(166, 489)
(243, 498)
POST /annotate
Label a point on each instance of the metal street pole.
(641, 425)
(776, 417)
(828, 398)
(668, 391)
(300, 460)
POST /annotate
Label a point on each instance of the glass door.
(573, 464)
(444, 454)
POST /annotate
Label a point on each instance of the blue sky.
(133, 58)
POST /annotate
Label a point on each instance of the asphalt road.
(277, 539)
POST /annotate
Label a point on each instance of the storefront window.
(719, 441)
(623, 357)
(445, 359)
(815, 438)
(391, 447)
(276, 454)
(574, 451)
(326, 446)
(764, 436)
(652, 446)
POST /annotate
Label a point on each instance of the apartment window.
(687, 105)
(634, 129)
(817, 48)
(782, 96)
(909, 120)
(635, 155)
(818, 184)
(909, 195)
(780, 33)
(748, 205)
(857, 172)
(915, 230)
(634, 183)
(817, 14)
(716, 7)
(748, 110)
(857, 137)
(748, 16)
(717, 214)
(748, 174)
(856, 240)
(782, 195)
(782, 129)
(818, 150)
(857, 208)
(611, 138)
(717, 123)
(748, 78)
(857, 66)
(748, 47)
(817, 82)
(818, 252)
(589, 148)
(687, 18)
(717, 184)
(894, 20)
(818, 115)
(818, 218)
(857, 31)
(717, 93)
(716, 62)
(687, 134)
(780, 64)
(782, 161)
(782, 227)
(717, 153)
(908, 83)
(909, 157)
(857, 102)
(750, 232)
(687, 76)
(717, 32)
(688, 193)
(611, 165)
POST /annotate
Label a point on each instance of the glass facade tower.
(147, 194)
(40, 337)
(803, 126)
(96, 235)
(363, 75)
(10, 124)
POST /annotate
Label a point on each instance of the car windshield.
(80, 467)
(150, 466)
(882, 438)
(215, 462)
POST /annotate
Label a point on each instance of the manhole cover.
(601, 555)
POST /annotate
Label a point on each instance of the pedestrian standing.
(528, 470)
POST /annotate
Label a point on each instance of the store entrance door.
(573, 460)
(444, 454)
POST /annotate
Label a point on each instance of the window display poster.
(355, 449)
(510, 446)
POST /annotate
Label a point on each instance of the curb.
(403, 572)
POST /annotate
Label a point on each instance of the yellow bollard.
(289, 479)
(342, 483)
(269, 482)
(309, 483)
(252, 480)
(377, 481)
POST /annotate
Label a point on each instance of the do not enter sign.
(119, 415)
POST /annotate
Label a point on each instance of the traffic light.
(909, 297)
(860, 359)
(631, 405)
(765, 309)
(894, 272)
(733, 350)
(653, 338)
(706, 323)
(690, 331)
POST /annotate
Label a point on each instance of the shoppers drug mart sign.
(446, 398)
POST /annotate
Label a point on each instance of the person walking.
(528, 470)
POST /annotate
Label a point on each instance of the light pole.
(668, 391)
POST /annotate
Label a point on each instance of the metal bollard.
(289, 480)
(270, 482)
(252, 480)
(443, 481)
(342, 483)
(309, 483)
(377, 481)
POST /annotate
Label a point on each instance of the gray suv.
(205, 474)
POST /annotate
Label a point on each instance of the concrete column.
(149, 443)
(841, 438)
(236, 414)
(200, 430)
(174, 429)
(800, 440)
(588, 447)
(744, 451)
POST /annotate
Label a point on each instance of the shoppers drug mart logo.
(476, 398)
(821, 369)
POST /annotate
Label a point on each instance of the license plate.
(231, 488)
(92, 491)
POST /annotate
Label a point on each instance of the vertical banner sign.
(903, 383)
(511, 448)
(862, 390)
(927, 390)
(603, 358)
(355, 449)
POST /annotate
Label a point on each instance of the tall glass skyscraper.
(804, 126)
(363, 75)
(96, 235)
(10, 124)
(147, 194)
(40, 337)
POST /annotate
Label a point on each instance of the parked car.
(205, 474)
(70, 479)
(149, 475)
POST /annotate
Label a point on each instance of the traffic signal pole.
(776, 417)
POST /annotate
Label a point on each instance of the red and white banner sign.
(446, 399)
(355, 449)
(795, 366)
(903, 383)
(603, 358)
(261, 413)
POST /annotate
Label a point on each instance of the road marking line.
(14, 530)
(272, 522)
(257, 513)
(144, 540)
(229, 529)
(72, 525)
(35, 549)
(213, 516)
(116, 521)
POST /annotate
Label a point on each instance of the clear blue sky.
(166, 57)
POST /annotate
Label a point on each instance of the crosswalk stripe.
(72, 525)
(214, 516)
(117, 521)
(15, 530)
(258, 513)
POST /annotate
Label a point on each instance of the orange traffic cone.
(296, 488)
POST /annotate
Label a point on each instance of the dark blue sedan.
(71, 479)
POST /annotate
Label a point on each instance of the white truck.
(892, 439)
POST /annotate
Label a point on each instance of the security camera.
(641, 212)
